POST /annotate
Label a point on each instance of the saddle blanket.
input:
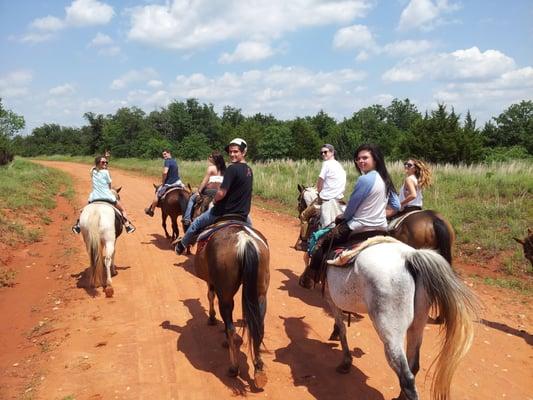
(395, 223)
(203, 238)
(348, 255)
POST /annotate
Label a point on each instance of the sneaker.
(76, 229)
(130, 228)
(180, 248)
(149, 211)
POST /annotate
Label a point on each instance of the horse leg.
(346, 364)
(108, 262)
(260, 377)
(164, 222)
(175, 229)
(226, 311)
(392, 329)
(415, 332)
(211, 297)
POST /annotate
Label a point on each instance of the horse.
(397, 285)
(173, 203)
(235, 255)
(100, 228)
(420, 229)
(527, 244)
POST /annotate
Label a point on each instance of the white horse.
(397, 285)
(97, 223)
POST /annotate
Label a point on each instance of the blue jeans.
(197, 226)
(188, 212)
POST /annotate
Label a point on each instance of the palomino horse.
(425, 229)
(397, 285)
(237, 254)
(100, 229)
(173, 203)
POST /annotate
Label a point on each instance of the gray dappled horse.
(397, 285)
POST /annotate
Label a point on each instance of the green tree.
(306, 142)
(194, 147)
(277, 142)
(10, 124)
(323, 124)
(513, 127)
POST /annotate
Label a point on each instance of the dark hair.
(98, 159)
(218, 160)
(379, 160)
(166, 151)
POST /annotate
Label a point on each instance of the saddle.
(119, 218)
(171, 189)
(348, 255)
(207, 234)
(396, 222)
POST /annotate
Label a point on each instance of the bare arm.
(411, 189)
(319, 185)
(211, 170)
(221, 193)
(164, 175)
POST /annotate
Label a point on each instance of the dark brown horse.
(527, 244)
(233, 255)
(172, 204)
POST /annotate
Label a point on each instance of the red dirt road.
(151, 340)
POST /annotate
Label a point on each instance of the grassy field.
(486, 204)
(27, 192)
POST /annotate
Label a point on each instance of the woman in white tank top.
(210, 183)
(418, 177)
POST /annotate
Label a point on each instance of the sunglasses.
(324, 152)
(408, 165)
(104, 162)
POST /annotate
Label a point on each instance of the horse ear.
(300, 188)
(189, 186)
(155, 186)
(118, 190)
(529, 231)
(519, 241)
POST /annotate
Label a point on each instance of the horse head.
(307, 194)
(201, 204)
(116, 192)
(527, 244)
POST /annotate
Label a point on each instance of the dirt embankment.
(152, 341)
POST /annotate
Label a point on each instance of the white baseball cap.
(237, 141)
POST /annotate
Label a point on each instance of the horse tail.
(95, 250)
(457, 306)
(248, 260)
(443, 236)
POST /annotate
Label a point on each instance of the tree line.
(192, 130)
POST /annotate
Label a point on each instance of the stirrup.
(76, 229)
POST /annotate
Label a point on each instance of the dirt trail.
(151, 341)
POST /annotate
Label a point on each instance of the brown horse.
(236, 254)
(172, 204)
(527, 244)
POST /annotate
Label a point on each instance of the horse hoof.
(305, 282)
(109, 292)
(260, 379)
(211, 321)
(233, 371)
(344, 368)
(334, 336)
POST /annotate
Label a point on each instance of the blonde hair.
(423, 173)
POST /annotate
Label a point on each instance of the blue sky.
(61, 59)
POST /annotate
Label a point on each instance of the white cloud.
(189, 25)
(109, 51)
(78, 14)
(424, 14)
(133, 76)
(88, 12)
(48, 23)
(284, 91)
(62, 90)
(154, 83)
(468, 64)
(354, 37)
(15, 83)
(101, 40)
(407, 47)
(247, 51)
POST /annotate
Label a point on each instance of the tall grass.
(487, 204)
(27, 193)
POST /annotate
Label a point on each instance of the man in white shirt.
(330, 185)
